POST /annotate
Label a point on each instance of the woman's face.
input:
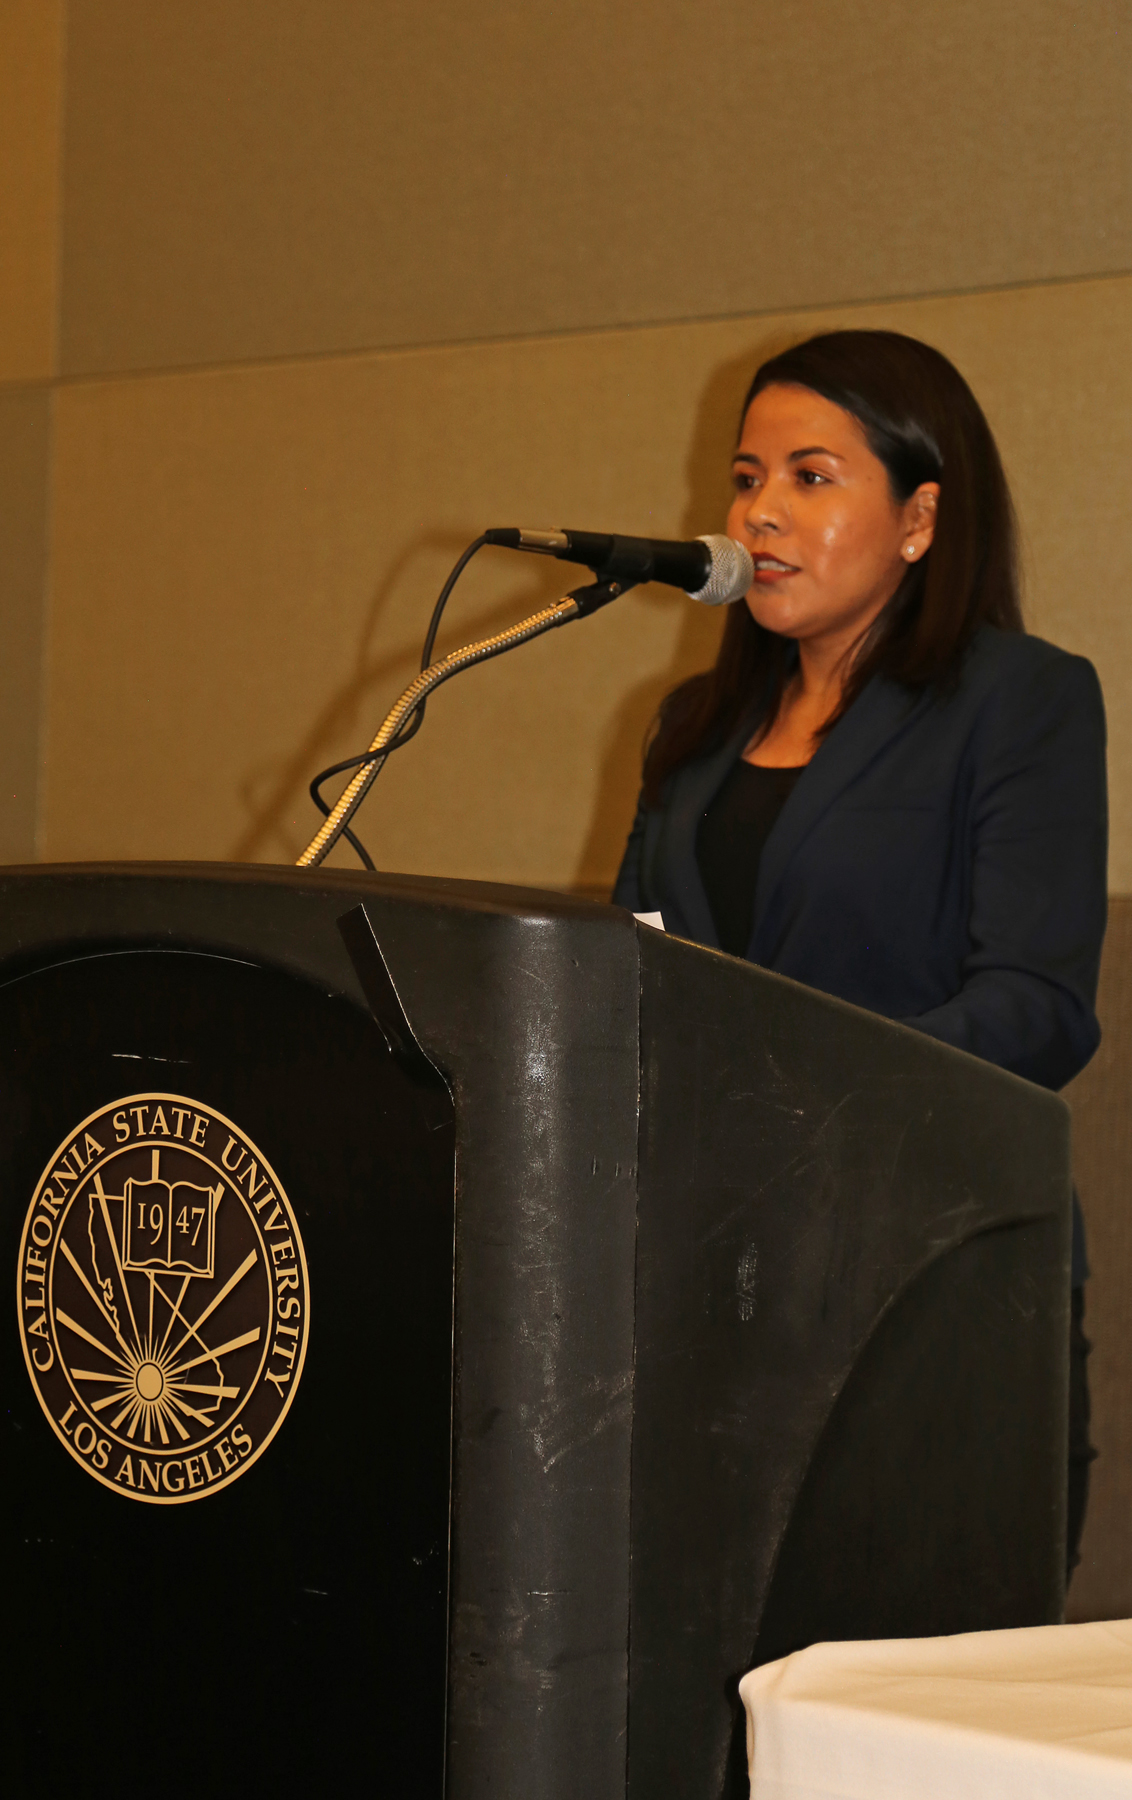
(814, 507)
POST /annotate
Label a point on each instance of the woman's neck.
(811, 697)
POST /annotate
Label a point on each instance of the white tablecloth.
(1032, 1714)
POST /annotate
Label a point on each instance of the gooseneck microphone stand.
(575, 605)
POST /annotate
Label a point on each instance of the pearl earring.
(909, 549)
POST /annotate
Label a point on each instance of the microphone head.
(732, 571)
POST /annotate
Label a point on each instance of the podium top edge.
(355, 884)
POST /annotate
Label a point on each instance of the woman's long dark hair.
(924, 424)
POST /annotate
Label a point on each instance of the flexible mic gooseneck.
(393, 732)
(715, 570)
(712, 569)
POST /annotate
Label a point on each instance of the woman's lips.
(768, 569)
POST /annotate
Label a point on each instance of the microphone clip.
(592, 598)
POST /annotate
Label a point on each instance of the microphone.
(714, 569)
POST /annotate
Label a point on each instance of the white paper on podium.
(656, 920)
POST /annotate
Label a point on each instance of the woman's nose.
(766, 510)
(763, 514)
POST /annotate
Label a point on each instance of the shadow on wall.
(708, 469)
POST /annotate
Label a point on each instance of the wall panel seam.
(39, 810)
(306, 358)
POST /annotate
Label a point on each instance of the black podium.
(458, 1331)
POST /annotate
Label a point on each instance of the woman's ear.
(919, 520)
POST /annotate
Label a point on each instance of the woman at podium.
(885, 788)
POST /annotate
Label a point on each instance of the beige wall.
(324, 290)
(244, 561)
(25, 461)
(31, 91)
(31, 86)
(250, 178)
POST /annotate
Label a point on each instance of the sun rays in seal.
(151, 1384)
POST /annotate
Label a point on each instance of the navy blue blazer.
(941, 861)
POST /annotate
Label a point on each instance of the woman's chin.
(775, 614)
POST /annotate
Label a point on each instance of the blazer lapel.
(693, 789)
(875, 717)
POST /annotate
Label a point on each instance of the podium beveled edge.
(485, 896)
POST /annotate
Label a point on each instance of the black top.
(729, 845)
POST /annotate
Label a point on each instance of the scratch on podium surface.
(566, 1425)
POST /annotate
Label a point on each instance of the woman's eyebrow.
(748, 456)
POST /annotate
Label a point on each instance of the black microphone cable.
(415, 719)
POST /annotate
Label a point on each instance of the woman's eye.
(812, 478)
(744, 481)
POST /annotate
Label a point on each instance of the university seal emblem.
(163, 1298)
